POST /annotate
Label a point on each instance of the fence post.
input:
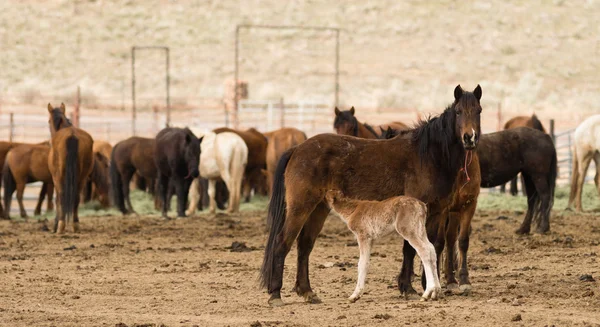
(282, 108)
(155, 119)
(75, 116)
(552, 132)
(226, 113)
(270, 114)
(12, 127)
(499, 127)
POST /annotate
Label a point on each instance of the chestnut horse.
(345, 123)
(521, 121)
(102, 151)
(177, 157)
(70, 161)
(586, 146)
(257, 154)
(434, 163)
(27, 163)
(130, 156)
(280, 141)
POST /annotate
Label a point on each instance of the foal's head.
(467, 109)
(345, 123)
(57, 118)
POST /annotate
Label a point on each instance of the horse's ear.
(200, 139)
(477, 92)
(337, 111)
(352, 110)
(382, 130)
(188, 138)
(50, 107)
(62, 108)
(458, 92)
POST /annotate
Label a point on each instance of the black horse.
(503, 155)
(177, 155)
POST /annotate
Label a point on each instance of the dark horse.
(345, 123)
(177, 158)
(426, 163)
(70, 162)
(130, 156)
(503, 155)
(515, 122)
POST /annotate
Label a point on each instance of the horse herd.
(422, 182)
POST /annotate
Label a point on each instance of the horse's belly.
(209, 169)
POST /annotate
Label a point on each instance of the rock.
(341, 317)
(328, 264)
(516, 302)
(256, 324)
(240, 247)
(384, 316)
(502, 218)
(586, 278)
(72, 247)
(516, 317)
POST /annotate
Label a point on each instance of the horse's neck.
(344, 206)
(364, 132)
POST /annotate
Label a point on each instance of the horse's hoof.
(61, 227)
(76, 228)
(543, 230)
(275, 303)
(522, 231)
(312, 298)
(465, 289)
(353, 298)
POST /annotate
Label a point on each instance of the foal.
(369, 220)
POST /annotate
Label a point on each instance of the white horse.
(586, 147)
(224, 156)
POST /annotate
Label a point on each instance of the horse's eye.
(458, 113)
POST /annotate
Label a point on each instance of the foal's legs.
(532, 198)
(306, 241)
(364, 245)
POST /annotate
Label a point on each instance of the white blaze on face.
(474, 134)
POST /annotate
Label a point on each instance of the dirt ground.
(145, 270)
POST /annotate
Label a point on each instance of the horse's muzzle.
(470, 140)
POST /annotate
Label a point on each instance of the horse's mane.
(537, 124)
(369, 128)
(435, 139)
(57, 118)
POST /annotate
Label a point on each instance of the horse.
(586, 146)
(102, 147)
(370, 220)
(221, 194)
(521, 121)
(345, 123)
(279, 141)
(257, 152)
(27, 163)
(177, 156)
(102, 151)
(436, 163)
(503, 155)
(223, 156)
(134, 155)
(70, 161)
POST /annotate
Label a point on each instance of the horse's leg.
(59, 224)
(50, 192)
(38, 207)
(246, 190)
(436, 234)
(532, 198)
(597, 176)
(451, 236)
(212, 192)
(194, 197)
(163, 186)
(466, 215)
(364, 245)
(503, 188)
(406, 272)
(126, 176)
(20, 190)
(306, 242)
(76, 214)
(574, 177)
(545, 197)
(583, 167)
(514, 191)
(182, 187)
(523, 185)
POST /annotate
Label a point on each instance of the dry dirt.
(144, 270)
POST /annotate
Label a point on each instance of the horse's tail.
(574, 177)
(9, 188)
(275, 218)
(117, 183)
(537, 124)
(69, 187)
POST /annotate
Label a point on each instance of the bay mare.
(424, 163)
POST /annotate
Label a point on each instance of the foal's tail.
(117, 183)
(69, 187)
(275, 218)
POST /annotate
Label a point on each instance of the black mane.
(370, 129)
(57, 119)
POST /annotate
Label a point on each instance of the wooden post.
(226, 113)
(499, 126)
(12, 127)
(552, 131)
(76, 108)
(155, 119)
(282, 107)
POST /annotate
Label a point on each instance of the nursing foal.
(370, 220)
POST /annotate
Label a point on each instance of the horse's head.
(192, 153)
(467, 110)
(57, 118)
(101, 178)
(345, 123)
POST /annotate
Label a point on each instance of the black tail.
(117, 183)
(70, 192)
(9, 188)
(275, 218)
(552, 179)
(537, 124)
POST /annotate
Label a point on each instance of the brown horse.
(102, 151)
(279, 142)
(27, 163)
(177, 159)
(515, 122)
(70, 161)
(345, 123)
(102, 147)
(434, 163)
(257, 153)
(130, 156)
